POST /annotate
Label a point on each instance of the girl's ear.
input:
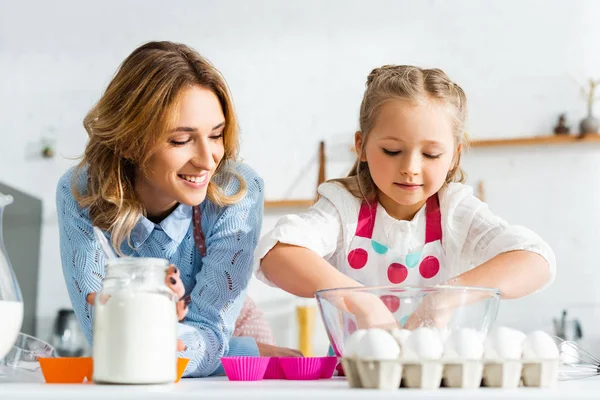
(358, 146)
(455, 163)
(457, 154)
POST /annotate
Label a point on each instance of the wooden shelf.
(539, 140)
(292, 203)
(519, 141)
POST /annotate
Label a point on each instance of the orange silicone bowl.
(66, 369)
(76, 369)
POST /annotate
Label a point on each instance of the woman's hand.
(267, 350)
(173, 281)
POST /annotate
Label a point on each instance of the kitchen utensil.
(576, 363)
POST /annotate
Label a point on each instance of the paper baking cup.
(274, 370)
(181, 366)
(66, 369)
(75, 369)
(328, 367)
(245, 368)
(302, 368)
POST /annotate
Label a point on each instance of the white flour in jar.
(135, 338)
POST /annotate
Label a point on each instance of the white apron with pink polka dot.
(375, 264)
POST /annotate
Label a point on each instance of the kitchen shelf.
(481, 143)
(291, 203)
(536, 140)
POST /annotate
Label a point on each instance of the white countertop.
(337, 388)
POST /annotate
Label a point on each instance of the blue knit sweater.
(217, 282)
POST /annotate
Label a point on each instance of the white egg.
(423, 344)
(464, 343)
(504, 343)
(539, 345)
(352, 342)
(444, 333)
(378, 344)
(400, 335)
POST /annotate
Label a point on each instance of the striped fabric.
(216, 283)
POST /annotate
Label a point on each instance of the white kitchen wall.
(297, 71)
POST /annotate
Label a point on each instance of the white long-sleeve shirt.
(471, 233)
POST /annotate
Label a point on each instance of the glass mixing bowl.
(21, 363)
(446, 307)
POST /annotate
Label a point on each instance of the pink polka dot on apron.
(429, 267)
(397, 273)
(352, 327)
(357, 258)
(391, 302)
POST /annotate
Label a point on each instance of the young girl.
(401, 217)
(159, 176)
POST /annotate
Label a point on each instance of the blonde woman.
(159, 176)
(402, 217)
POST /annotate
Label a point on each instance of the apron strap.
(198, 234)
(433, 218)
(366, 219)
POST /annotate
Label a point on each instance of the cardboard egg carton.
(513, 373)
(453, 373)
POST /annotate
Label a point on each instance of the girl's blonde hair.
(414, 84)
(132, 119)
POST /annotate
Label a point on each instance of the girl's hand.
(435, 311)
(369, 310)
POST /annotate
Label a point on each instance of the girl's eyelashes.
(217, 136)
(390, 152)
(396, 152)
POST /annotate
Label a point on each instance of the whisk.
(576, 363)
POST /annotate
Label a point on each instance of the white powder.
(135, 339)
(11, 317)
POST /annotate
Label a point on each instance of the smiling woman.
(160, 177)
(181, 168)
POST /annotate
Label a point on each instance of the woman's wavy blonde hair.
(405, 82)
(131, 120)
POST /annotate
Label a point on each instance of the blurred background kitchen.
(297, 71)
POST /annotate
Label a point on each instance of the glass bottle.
(11, 300)
(135, 324)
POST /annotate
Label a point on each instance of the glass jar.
(135, 324)
(11, 301)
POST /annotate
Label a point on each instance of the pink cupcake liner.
(274, 370)
(245, 368)
(302, 368)
(340, 370)
(328, 367)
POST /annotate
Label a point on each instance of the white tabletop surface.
(336, 388)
